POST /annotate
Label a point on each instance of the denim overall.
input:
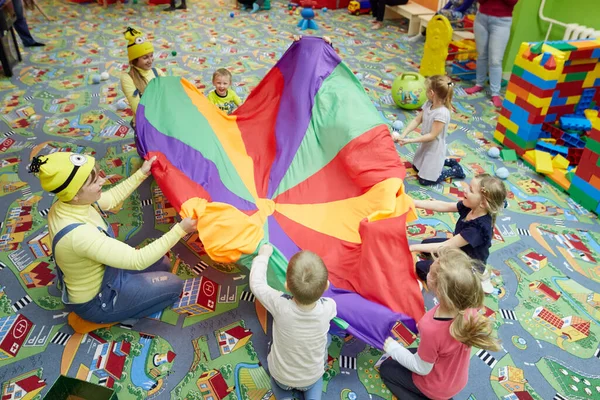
(123, 294)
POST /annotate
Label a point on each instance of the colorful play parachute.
(304, 163)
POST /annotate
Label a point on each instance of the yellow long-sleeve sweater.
(83, 253)
(129, 88)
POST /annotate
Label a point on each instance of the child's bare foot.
(327, 39)
(297, 37)
(377, 25)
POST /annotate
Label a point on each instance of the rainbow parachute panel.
(305, 163)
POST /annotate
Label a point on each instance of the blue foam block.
(586, 187)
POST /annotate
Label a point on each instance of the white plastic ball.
(502, 173)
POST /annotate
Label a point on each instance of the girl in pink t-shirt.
(440, 367)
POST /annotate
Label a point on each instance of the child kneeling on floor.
(430, 158)
(300, 323)
(484, 198)
(440, 367)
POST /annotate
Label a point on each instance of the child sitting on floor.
(300, 323)
(430, 158)
(484, 198)
(141, 68)
(224, 98)
(440, 367)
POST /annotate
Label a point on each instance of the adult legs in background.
(257, 6)
(482, 36)
(21, 26)
(499, 32)
(399, 380)
(379, 12)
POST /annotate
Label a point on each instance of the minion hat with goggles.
(137, 45)
(63, 173)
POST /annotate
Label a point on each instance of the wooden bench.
(410, 11)
(456, 35)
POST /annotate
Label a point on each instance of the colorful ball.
(324, 9)
(96, 78)
(232, 14)
(104, 76)
(173, 53)
(408, 91)
(213, 40)
(360, 76)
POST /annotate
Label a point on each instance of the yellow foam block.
(559, 177)
(511, 126)
(592, 115)
(510, 96)
(560, 162)
(543, 162)
(529, 156)
(538, 102)
(549, 140)
(499, 137)
(591, 77)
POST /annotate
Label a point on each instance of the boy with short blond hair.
(300, 323)
(223, 96)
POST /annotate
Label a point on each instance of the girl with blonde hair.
(440, 367)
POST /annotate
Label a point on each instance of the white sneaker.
(486, 283)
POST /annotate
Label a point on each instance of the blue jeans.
(283, 392)
(128, 295)
(21, 24)
(491, 38)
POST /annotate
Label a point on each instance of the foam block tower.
(549, 116)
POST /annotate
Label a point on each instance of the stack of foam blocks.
(549, 116)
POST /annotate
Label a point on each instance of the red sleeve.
(428, 348)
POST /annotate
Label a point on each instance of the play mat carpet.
(546, 251)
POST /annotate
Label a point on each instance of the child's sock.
(474, 89)
(497, 101)
(255, 8)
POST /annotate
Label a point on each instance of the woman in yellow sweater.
(141, 57)
(102, 279)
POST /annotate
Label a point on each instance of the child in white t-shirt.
(300, 323)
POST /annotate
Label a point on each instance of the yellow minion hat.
(137, 45)
(63, 173)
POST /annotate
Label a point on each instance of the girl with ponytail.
(439, 369)
(484, 198)
(430, 158)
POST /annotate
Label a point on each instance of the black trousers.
(424, 266)
(378, 7)
(250, 2)
(399, 380)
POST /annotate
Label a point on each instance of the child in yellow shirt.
(223, 97)
(141, 70)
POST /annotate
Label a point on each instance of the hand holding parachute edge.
(147, 165)
(265, 250)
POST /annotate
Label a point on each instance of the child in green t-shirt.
(223, 97)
